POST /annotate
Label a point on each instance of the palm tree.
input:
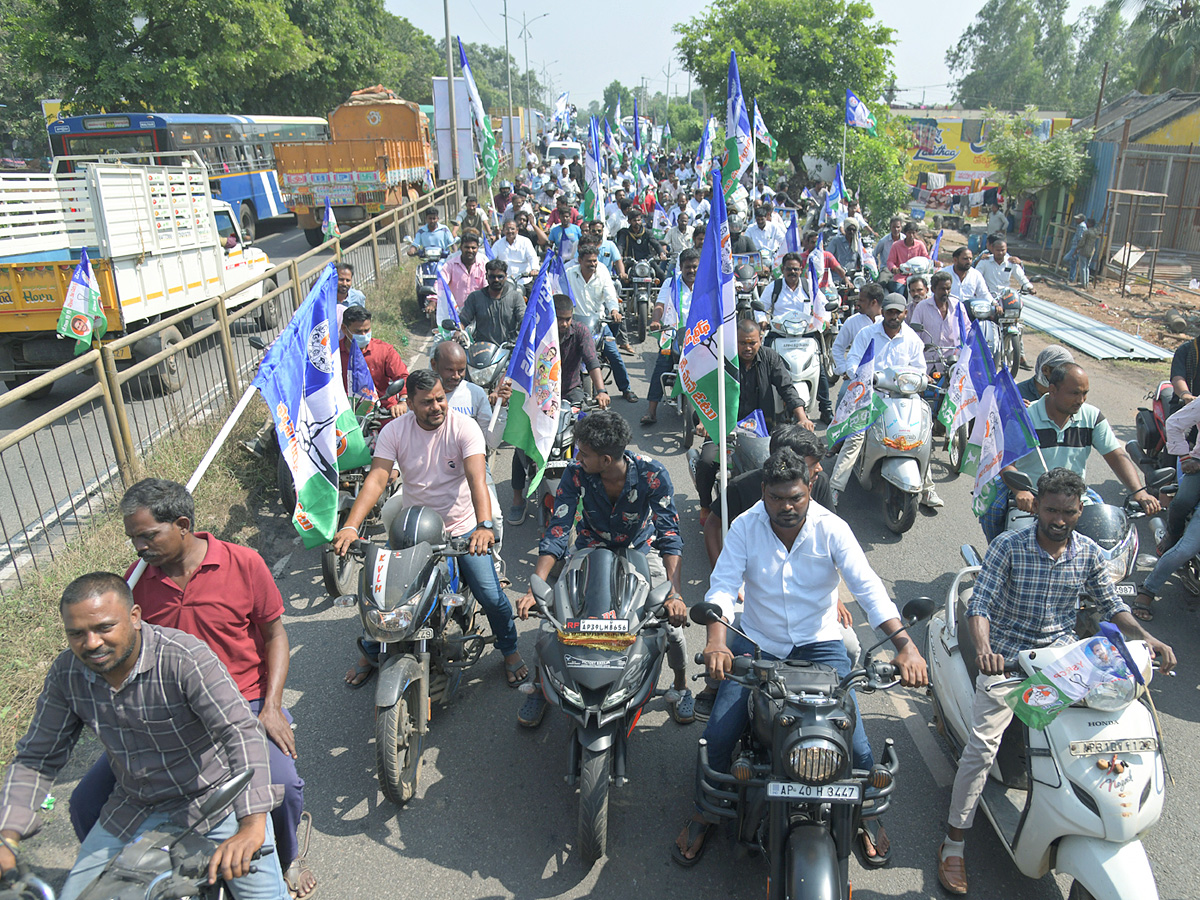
(1171, 57)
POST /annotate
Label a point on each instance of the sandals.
(868, 836)
(703, 704)
(649, 419)
(682, 706)
(696, 831)
(363, 674)
(1143, 612)
(298, 868)
(511, 670)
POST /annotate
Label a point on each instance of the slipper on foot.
(701, 831)
(362, 674)
(868, 833)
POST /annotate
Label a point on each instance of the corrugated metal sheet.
(1093, 338)
(1091, 197)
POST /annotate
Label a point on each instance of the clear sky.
(583, 57)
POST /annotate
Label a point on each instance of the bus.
(238, 150)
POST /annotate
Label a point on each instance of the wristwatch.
(487, 523)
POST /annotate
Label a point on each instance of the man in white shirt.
(997, 221)
(966, 283)
(698, 206)
(896, 346)
(679, 236)
(999, 269)
(787, 555)
(516, 250)
(786, 295)
(681, 205)
(765, 232)
(670, 312)
(870, 302)
(596, 295)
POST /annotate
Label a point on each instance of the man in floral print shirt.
(627, 502)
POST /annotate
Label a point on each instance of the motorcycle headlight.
(391, 621)
(1121, 556)
(569, 694)
(617, 696)
(486, 374)
(815, 760)
(1110, 696)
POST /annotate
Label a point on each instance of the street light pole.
(525, 34)
(508, 77)
(450, 93)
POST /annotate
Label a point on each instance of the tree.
(1171, 55)
(798, 74)
(22, 127)
(616, 94)
(1027, 162)
(157, 54)
(686, 124)
(1000, 58)
(411, 60)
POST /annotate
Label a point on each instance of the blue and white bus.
(239, 150)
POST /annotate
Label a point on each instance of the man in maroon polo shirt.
(382, 359)
(223, 594)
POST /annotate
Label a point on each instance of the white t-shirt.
(520, 255)
(433, 464)
(472, 401)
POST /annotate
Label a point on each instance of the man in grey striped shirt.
(175, 728)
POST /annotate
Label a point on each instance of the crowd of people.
(182, 676)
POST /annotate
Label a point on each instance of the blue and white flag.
(860, 405)
(536, 374)
(82, 319)
(447, 308)
(486, 245)
(611, 144)
(561, 113)
(360, 383)
(704, 156)
(791, 238)
(937, 247)
(739, 140)
(857, 114)
(329, 225)
(755, 424)
(318, 433)
(1003, 433)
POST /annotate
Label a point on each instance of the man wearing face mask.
(382, 359)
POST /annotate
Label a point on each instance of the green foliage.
(1020, 52)
(686, 124)
(800, 72)
(411, 60)
(1171, 55)
(158, 54)
(488, 67)
(1026, 163)
(22, 128)
(612, 94)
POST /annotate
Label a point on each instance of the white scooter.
(1072, 798)
(898, 445)
(802, 354)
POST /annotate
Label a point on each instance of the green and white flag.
(488, 154)
(536, 374)
(593, 188)
(860, 405)
(82, 319)
(319, 437)
(762, 134)
(739, 141)
(713, 309)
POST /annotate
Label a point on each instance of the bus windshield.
(99, 144)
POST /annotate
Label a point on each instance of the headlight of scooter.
(1110, 696)
(909, 382)
(815, 760)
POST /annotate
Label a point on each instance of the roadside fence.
(66, 466)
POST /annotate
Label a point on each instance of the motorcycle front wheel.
(398, 747)
(899, 508)
(643, 315)
(593, 804)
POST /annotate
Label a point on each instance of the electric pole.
(512, 137)
(450, 94)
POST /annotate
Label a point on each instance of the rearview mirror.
(257, 343)
(1017, 481)
(449, 325)
(224, 796)
(1160, 478)
(1136, 453)
(918, 610)
(833, 306)
(705, 613)
(758, 305)
(395, 387)
(541, 591)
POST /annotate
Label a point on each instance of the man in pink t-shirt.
(905, 249)
(465, 270)
(441, 456)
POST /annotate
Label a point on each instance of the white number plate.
(783, 345)
(423, 634)
(1126, 589)
(824, 793)
(1126, 745)
(604, 626)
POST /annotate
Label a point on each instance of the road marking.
(930, 750)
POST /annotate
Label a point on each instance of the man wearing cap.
(896, 346)
(1032, 389)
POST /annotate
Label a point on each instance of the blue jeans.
(612, 356)
(1186, 499)
(99, 847)
(731, 713)
(664, 363)
(1174, 559)
(480, 575)
(92, 792)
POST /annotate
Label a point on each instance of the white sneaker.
(932, 500)
(834, 497)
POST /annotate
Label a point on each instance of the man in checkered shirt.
(1026, 596)
(174, 726)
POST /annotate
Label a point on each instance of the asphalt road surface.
(493, 817)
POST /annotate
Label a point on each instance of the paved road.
(493, 818)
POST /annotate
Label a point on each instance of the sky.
(561, 42)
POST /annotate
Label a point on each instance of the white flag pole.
(722, 472)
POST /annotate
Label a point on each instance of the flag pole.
(845, 128)
(722, 441)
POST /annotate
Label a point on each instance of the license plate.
(783, 345)
(1104, 748)
(598, 626)
(838, 792)
(1126, 589)
(423, 634)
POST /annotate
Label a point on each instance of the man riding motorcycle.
(637, 244)
(1026, 596)
(496, 310)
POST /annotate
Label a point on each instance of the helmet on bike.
(737, 224)
(416, 525)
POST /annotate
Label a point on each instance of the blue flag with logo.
(360, 383)
(755, 424)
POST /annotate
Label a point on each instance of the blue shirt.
(355, 297)
(566, 239)
(645, 510)
(440, 237)
(1031, 599)
(608, 255)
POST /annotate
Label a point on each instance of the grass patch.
(393, 305)
(227, 502)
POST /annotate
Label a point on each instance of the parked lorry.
(378, 156)
(158, 244)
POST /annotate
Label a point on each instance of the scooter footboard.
(1110, 871)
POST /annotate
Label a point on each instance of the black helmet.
(745, 272)
(416, 525)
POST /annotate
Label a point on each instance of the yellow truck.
(379, 155)
(157, 240)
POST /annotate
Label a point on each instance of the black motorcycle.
(600, 665)
(792, 791)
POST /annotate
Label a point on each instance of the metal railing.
(73, 462)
